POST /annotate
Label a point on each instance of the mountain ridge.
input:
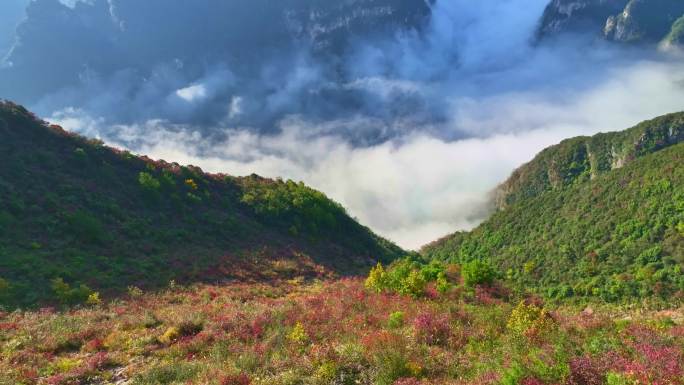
(579, 158)
(616, 236)
(75, 209)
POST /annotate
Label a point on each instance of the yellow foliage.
(117, 340)
(525, 319)
(94, 299)
(64, 365)
(170, 335)
(298, 334)
(327, 371)
(376, 278)
(415, 369)
(191, 184)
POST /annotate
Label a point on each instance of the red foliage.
(98, 361)
(657, 365)
(432, 329)
(531, 381)
(240, 379)
(407, 381)
(94, 345)
(585, 371)
(9, 326)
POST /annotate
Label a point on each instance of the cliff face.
(626, 21)
(578, 16)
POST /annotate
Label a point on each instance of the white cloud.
(192, 93)
(416, 188)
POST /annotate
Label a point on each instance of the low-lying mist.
(410, 133)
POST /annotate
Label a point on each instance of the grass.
(339, 332)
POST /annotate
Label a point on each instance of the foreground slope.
(337, 333)
(74, 209)
(593, 230)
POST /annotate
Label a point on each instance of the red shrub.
(240, 379)
(585, 371)
(96, 362)
(9, 326)
(407, 381)
(531, 381)
(94, 345)
(431, 329)
(657, 365)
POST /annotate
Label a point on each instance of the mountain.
(627, 21)
(591, 217)
(74, 209)
(101, 38)
(580, 159)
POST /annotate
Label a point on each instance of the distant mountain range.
(57, 44)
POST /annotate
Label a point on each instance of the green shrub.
(391, 365)
(396, 320)
(148, 182)
(86, 227)
(477, 272)
(413, 284)
(178, 372)
(618, 379)
(5, 291)
(68, 295)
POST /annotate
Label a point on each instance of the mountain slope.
(579, 159)
(71, 208)
(627, 21)
(617, 235)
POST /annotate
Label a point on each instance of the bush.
(432, 330)
(167, 374)
(86, 227)
(68, 295)
(298, 334)
(413, 284)
(377, 279)
(5, 290)
(396, 320)
(477, 272)
(526, 320)
(148, 182)
(240, 379)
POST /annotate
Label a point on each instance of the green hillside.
(75, 210)
(577, 226)
(580, 159)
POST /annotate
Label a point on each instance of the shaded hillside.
(74, 209)
(579, 159)
(617, 235)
